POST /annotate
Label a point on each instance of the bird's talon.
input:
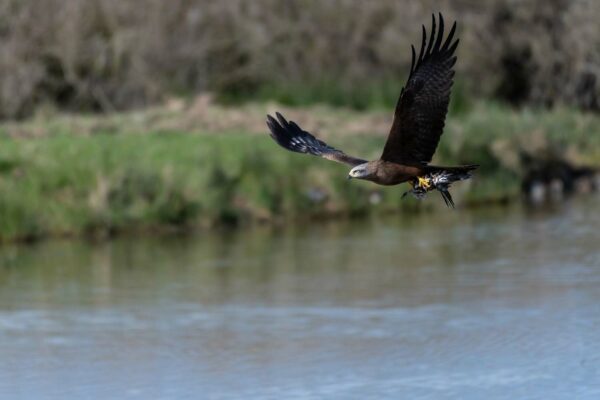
(424, 182)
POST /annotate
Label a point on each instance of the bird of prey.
(415, 132)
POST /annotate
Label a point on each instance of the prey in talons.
(419, 187)
(423, 184)
(439, 179)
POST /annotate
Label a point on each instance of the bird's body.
(418, 124)
(387, 173)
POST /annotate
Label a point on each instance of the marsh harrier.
(416, 130)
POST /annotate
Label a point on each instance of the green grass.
(72, 184)
(65, 183)
(376, 94)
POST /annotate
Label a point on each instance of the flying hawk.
(416, 130)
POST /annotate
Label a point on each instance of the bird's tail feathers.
(451, 174)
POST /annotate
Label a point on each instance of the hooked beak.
(349, 177)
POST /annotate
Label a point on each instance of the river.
(500, 303)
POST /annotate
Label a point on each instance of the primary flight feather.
(415, 133)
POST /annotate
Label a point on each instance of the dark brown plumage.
(419, 121)
(292, 137)
(423, 103)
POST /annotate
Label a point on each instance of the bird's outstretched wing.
(423, 103)
(290, 136)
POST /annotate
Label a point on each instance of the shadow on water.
(478, 304)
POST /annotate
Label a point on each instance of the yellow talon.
(424, 182)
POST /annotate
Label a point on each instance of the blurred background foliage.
(107, 55)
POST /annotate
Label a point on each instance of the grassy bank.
(64, 175)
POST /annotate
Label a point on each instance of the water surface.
(496, 304)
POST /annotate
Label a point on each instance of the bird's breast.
(389, 173)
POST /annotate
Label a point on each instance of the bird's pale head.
(361, 171)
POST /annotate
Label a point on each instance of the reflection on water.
(471, 305)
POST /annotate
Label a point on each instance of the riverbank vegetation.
(191, 164)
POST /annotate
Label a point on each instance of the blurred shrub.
(102, 55)
(541, 52)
